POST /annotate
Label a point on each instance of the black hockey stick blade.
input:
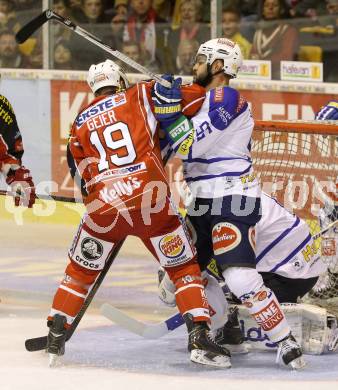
(28, 29)
(36, 344)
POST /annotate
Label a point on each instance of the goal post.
(297, 162)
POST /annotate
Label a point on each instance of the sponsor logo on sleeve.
(269, 317)
(225, 237)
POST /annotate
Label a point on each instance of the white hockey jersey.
(219, 161)
(284, 244)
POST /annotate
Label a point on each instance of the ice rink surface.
(101, 355)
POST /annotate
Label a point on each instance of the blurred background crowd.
(164, 35)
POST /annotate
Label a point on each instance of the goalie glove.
(22, 186)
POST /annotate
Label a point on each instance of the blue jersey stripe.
(276, 241)
(217, 159)
(207, 177)
(292, 254)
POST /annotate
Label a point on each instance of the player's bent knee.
(243, 281)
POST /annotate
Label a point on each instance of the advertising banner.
(301, 71)
(254, 69)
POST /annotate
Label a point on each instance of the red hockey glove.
(22, 186)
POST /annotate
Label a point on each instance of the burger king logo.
(172, 246)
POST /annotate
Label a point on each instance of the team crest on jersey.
(91, 249)
(225, 237)
(172, 245)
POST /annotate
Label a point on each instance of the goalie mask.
(220, 49)
(106, 74)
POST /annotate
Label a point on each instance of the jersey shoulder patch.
(225, 105)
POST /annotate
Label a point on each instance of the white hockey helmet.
(222, 49)
(106, 74)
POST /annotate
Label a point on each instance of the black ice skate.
(290, 353)
(56, 338)
(231, 336)
(202, 348)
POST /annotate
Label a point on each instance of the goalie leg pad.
(247, 284)
(190, 294)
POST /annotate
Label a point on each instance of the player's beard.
(205, 78)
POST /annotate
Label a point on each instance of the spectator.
(117, 24)
(231, 19)
(164, 8)
(132, 50)
(28, 4)
(63, 56)
(307, 8)
(35, 57)
(8, 18)
(86, 53)
(151, 33)
(186, 52)
(91, 12)
(61, 7)
(190, 26)
(10, 57)
(274, 39)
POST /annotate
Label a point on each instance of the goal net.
(296, 161)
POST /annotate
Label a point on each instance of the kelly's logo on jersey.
(119, 189)
(172, 245)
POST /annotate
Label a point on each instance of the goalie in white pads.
(327, 286)
(218, 170)
(289, 261)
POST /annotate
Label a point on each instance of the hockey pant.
(165, 237)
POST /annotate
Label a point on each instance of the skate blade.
(53, 359)
(201, 357)
(238, 349)
(298, 363)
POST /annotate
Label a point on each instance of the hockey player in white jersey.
(218, 170)
(288, 258)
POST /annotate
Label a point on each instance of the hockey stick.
(57, 198)
(40, 343)
(328, 227)
(27, 30)
(148, 331)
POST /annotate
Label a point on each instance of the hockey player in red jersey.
(16, 175)
(114, 142)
